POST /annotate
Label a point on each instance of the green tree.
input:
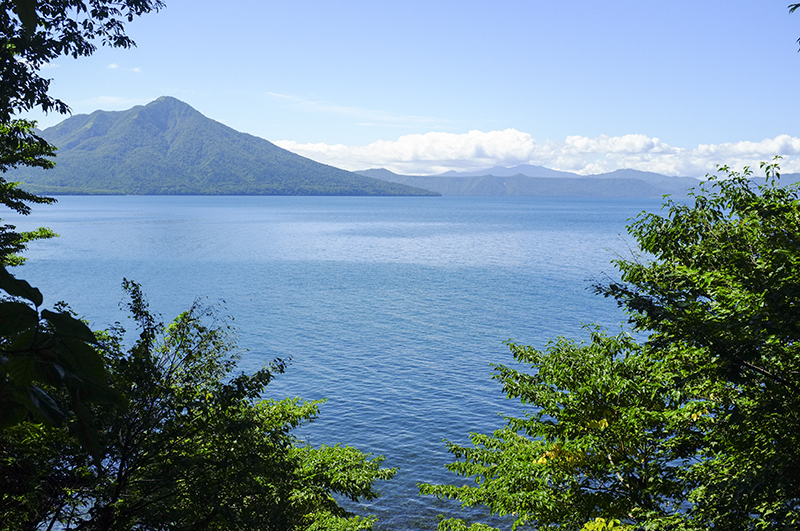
(698, 427)
(722, 276)
(194, 448)
(20, 147)
(601, 441)
(42, 350)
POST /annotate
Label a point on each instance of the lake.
(393, 309)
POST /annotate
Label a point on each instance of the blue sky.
(423, 87)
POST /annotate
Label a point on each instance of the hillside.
(537, 181)
(167, 147)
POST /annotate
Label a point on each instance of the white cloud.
(436, 152)
(627, 144)
(427, 153)
(113, 66)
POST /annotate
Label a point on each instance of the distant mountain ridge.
(538, 181)
(522, 169)
(167, 147)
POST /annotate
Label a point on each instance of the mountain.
(543, 182)
(167, 147)
(670, 185)
(523, 169)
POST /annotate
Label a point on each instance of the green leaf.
(45, 407)
(14, 410)
(69, 327)
(19, 288)
(21, 370)
(16, 317)
(26, 11)
(81, 360)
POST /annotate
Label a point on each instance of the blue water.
(392, 309)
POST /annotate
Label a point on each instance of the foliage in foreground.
(697, 428)
(602, 439)
(20, 147)
(43, 349)
(194, 446)
(725, 280)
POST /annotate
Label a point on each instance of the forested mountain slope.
(536, 181)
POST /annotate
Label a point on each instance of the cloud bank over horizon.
(437, 152)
